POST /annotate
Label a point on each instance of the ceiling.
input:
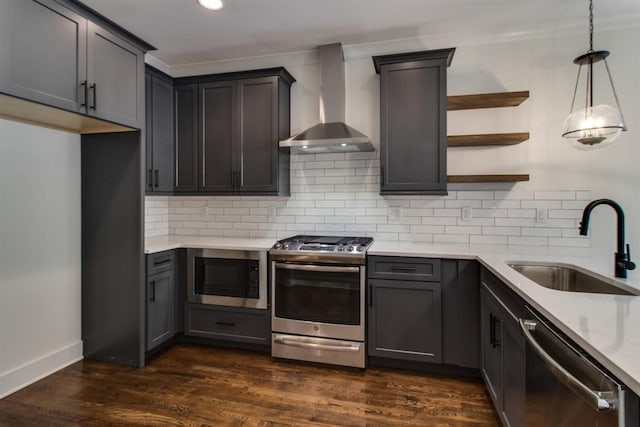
(184, 33)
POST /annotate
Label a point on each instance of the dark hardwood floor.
(207, 386)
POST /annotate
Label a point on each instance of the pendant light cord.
(590, 25)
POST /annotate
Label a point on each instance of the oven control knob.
(285, 246)
(278, 245)
(360, 248)
(350, 248)
(341, 248)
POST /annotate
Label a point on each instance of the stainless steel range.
(318, 299)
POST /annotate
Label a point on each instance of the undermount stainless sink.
(564, 277)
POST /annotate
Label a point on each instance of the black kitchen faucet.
(622, 259)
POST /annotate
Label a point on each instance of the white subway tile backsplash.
(555, 195)
(340, 195)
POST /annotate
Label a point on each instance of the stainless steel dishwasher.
(565, 388)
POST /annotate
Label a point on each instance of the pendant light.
(594, 126)
(211, 4)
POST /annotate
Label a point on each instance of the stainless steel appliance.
(318, 299)
(565, 388)
(233, 278)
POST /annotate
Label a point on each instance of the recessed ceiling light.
(211, 4)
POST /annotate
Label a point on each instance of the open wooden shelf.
(486, 100)
(487, 139)
(487, 178)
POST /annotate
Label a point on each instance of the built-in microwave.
(233, 278)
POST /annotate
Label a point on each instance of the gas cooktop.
(336, 245)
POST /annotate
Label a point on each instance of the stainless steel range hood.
(332, 135)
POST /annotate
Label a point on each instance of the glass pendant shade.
(593, 127)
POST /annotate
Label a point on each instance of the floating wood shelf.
(486, 100)
(487, 178)
(487, 139)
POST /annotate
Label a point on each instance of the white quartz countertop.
(164, 243)
(607, 326)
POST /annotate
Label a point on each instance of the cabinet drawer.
(404, 268)
(228, 323)
(161, 261)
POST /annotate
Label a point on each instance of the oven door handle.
(601, 401)
(346, 347)
(318, 268)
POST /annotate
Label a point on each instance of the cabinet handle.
(238, 179)
(405, 269)
(95, 96)
(226, 323)
(494, 323)
(370, 296)
(382, 175)
(157, 178)
(150, 178)
(153, 291)
(83, 84)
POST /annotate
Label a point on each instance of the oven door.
(318, 300)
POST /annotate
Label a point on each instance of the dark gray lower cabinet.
(405, 308)
(461, 313)
(424, 309)
(235, 324)
(405, 320)
(160, 295)
(503, 350)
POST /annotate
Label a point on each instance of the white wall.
(39, 253)
(544, 66)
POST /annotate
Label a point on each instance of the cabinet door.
(148, 135)
(160, 308)
(413, 127)
(162, 134)
(258, 142)
(514, 376)
(461, 313)
(43, 50)
(405, 320)
(115, 71)
(218, 135)
(186, 138)
(491, 335)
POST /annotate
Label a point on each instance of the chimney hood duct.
(332, 135)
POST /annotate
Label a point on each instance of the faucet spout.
(622, 257)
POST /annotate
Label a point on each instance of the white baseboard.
(20, 377)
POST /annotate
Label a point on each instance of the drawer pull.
(403, 269)
(220, 323)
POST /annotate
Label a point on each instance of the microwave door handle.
(317, 268)
(600, 401)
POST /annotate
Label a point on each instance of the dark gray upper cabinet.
(54, 53)
(239, 120)
(159, 131)
(43, 47)
(115, 73)
(413, 121)
(186, 138)
(218, 136)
